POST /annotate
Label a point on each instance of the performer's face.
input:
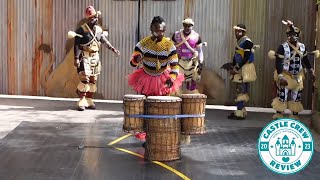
(93, 20)
(292, 37)
(187, 28)
(158, 30)
(239, 33)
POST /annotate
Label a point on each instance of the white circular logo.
(285, 146)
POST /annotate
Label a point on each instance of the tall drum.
(163, 133)
(133, 105)
(193, 104)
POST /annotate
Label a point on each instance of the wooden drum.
(163, 134)
(194, 104)
(133, 104)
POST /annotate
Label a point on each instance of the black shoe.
(81, 108)
(234, 117)
(93, 107)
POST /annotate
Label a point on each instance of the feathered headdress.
(291, 27)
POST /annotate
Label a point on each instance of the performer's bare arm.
(77, 41)
(306, 63)
(107, 44)
(279, 60)
(173, 38)
(76, 49)
(199, 49)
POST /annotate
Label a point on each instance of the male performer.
(189, 49)
(243, 56)
(291, 56)
(88, 39)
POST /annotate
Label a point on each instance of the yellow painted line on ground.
(119, 139)
(129, 152)
(184, 177)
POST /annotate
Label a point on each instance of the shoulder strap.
(185, 41)
(93, 35)
(183, 38)
(244, 38)
(296, 49)
(287, 52)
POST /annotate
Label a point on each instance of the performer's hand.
(137, 58)
(195, 55)
(169, 83)
(200, 68)
(116, 51)
(283, 82)
(312, 77)
(234, 71)
(76, 63)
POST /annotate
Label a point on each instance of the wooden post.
(315, 123)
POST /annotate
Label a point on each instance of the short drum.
(133, 105)
(193, 104)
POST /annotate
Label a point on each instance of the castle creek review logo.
(285, 146)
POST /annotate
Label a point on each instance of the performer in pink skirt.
(159, 75)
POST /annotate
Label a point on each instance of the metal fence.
(34, 32)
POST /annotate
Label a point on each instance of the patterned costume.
(159, 75)
(160, 63)
(243, 66)
(88, 39)
(189, 49)
(290, 59)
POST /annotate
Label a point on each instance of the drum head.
(133, 96)
(193, 96)
(163, 98)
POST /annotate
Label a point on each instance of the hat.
(291, 28)
(241, 27)
(188, 21)
(91, 12)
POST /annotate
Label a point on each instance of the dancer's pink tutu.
(148, 85)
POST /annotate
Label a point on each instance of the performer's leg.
(191, 87)
(295, 105)
(83, 87)
(192, 84)
(93, 89)
(280, 103)
(241, 99)
(181, 70)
